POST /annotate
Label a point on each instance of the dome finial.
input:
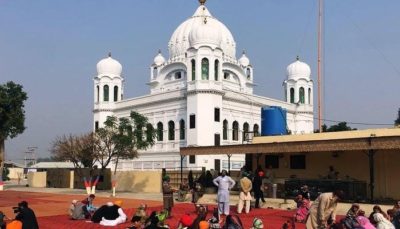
(109, 54)
(297, 57)
(244, 52)
(159, 51)
(202, 2)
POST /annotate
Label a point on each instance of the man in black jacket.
(29, 220)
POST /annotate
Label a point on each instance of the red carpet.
(272, 218)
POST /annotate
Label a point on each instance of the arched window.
(149, 130)
(171, 130)
(248, 73)
(105, 92)
(115, 93)
(155, 72)
(256, 130)
(309, 96)
(245, 130)
(225, 130)
(204, 69)
(193, 70)
(182, 129)
(301, 95)
(291, 95)
(235, 131)
(160, 130)
(216, 70)
(97, 93)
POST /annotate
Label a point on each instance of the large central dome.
(201, 28)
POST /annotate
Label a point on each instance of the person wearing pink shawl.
(364, 222)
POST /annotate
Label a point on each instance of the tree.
(341, 126)
(122, 138)
(397, 121)
(77, 149)
(12, 114)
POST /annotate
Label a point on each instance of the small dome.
(159, 59)
(244, 60)
(109, 66)
(298, 69)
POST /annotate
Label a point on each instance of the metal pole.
(182, 157)
(229, 163)
(371, 154)
(319, 64)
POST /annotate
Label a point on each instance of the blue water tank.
(273, 121)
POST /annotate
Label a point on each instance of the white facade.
(201, 95)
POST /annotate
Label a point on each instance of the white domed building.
(201, 95)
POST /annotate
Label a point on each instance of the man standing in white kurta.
(224, 184)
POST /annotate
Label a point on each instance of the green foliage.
(12, 114)
(341, 126)
(5, 177)
(122, 138)
(397, 121)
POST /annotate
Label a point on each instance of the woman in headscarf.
(364, 222)
(382, 222)
(375, 210)
(302, 210)
(350, 221)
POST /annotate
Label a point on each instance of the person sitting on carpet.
(214, 221)
(382, 222)
(350, 220)
(257, 224)
(16, 223)
(108, 211)
(114, 214)
(76, 210)
(303, 206)
(29, 220)
(2, 218)
(185, 222)
(233, 222)
(202, 213)
(364, 222)
(88, 208)
(140, 214)
(289, 225)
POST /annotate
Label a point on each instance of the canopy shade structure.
(379, 139)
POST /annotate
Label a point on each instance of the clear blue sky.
(52, 47)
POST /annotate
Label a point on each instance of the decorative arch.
(216, 70)
(256, 130)
(182, 129)
(248, 73)
(97, 93)
(245, 130)
(225, 130)
(291, 95)
(301, 95)
(115, 93)
(155, 72)
(193, 69)
(235, 131)
(205, 68)
(106, 93)
(160, 131)
(149, 130)
(309, 96)
(171, 130)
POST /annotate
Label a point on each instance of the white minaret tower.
(299, 91)
(108, 89)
